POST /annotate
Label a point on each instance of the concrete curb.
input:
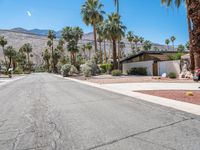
(12, 80)
(183, 106)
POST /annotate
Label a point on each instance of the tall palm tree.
(173, 38)
(51, 36)
(3, 43)
(130, 37)
(72, 35)
(116, 2)
(10, 53)
(27, 48)
(167, 41)
(92, 14)
(193, 17)
(136, 40)
(89, 48)
(115, 30)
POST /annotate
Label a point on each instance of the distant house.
(156, 62)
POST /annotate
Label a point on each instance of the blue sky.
(147, 18)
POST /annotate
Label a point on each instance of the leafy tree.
(3, 43)
(115, 31)
(147, 45)
(92, 14)
(167, 41)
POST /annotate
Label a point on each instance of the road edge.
(183, 106)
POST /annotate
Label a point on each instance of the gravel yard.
(176, 95)
(108, 79)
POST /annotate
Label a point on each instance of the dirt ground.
(176, 95)
(108, 79)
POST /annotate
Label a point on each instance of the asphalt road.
(44, 112)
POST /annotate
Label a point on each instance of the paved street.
(44, 112)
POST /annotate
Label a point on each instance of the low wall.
(147, 64)
(169, 66)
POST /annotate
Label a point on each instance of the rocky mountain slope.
(37, 38)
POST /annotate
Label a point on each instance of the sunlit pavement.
(44, 112)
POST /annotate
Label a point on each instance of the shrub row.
(137, 71)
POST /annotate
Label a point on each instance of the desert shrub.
(18, 70)
(37, 69)
(172, 75)
(116, 73)
(59, 67)
(137, 71)
(86, 70)
(65, 70)
(106, 67)
(176, 56)
(73, 70)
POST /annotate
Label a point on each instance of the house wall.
(147, 64)
(169, 66)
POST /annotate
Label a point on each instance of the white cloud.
(29, 13)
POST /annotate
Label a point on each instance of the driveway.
(44, 112)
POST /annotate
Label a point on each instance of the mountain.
(38, 38)
(40, 32)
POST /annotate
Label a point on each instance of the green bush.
(65, 70)
(137, 71)
(106, 67)
(176, 56)
(172, 75)
(18, 71)
(116, 73)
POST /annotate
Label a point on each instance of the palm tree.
(10, 53)
(92, 14)
(115, 31)
(72, 35)
(89, 48)
(83, 48)
(136, 40)
(147, 45)
(193, 17)
(27, 48)
(3, 43)
(46, 57)
(130, 37)
(167, 41)
(173, 38)
(116, 2)
(51, 36)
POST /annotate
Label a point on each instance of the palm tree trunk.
(10, 61)
(192, 63)
(193, 12)
(5, 58)
(101, 53)
(114, 54)
(105, 56)
(95, 37)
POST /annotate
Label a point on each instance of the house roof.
(148, 52)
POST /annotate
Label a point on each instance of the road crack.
(139, 133)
